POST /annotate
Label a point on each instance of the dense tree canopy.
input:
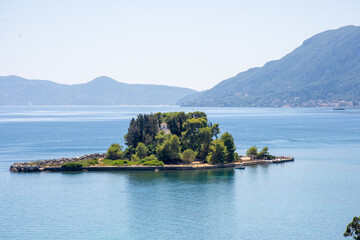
(186, 137)
(143, 129)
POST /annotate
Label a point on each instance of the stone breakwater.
(38, 166)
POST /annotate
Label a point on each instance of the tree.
(129, 151)
(215, 130)
(143, 129)
(198, 114)
(141, 150)
(161, 137)
(353, 229)
(169, 151)
(263, 152)
(230, 145)
(115, 152)
(205, 138)
(218, 152)
(252, 151)
(190, 137)
(188, 156)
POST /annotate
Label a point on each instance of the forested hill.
(15, 90)
(323, 71)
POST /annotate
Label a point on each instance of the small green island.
(163, 141)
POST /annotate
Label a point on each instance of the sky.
(194, 44)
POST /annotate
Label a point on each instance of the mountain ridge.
(323, 71)
(103, 90)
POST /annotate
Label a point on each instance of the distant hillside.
(323, 71)
(15, 90)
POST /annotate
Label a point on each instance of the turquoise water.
(314, 197)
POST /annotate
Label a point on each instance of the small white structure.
(163, 127)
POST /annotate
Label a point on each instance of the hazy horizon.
(187, 44)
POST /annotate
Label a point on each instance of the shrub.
(94, 161)
(106, 161)
(141, 150)
(150, 161)
(89, 162)
(135, 158)
(188, 156)
(115, 152)
(72, 166)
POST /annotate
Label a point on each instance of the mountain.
(323, 71)
(15, 90)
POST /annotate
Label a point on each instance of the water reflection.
(199, 176)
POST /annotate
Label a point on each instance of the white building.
(163, 127)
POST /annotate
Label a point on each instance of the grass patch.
(121, 163)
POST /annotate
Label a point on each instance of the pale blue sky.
(192, 44)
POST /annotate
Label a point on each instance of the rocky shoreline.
(38, 166)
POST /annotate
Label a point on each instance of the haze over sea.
(314, 197)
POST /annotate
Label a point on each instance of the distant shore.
(54, 165)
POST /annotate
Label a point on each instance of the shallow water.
(314, 197)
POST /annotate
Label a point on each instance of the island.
(162, 141)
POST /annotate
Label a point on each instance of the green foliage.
(135, 158)
(72, 166)
(161, 137)
(141, 150)
(215, 130)
(121, 163)
(175, 121)
(237, 157)
(115, 152)
(196, 140)
(143, 129)
(252, 151)
(218, 152)
(353, 229)
(198, 114)
(129, 151)
(188, 156)
(263, 152)
(89, 162)
(205, 138)
(169, 151)
(151, 161)
(106, 161)
(191, 135)
(230, 145)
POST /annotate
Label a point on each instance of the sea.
(314, 197)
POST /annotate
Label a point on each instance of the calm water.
(314, 197)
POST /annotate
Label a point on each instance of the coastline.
(48, 165)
